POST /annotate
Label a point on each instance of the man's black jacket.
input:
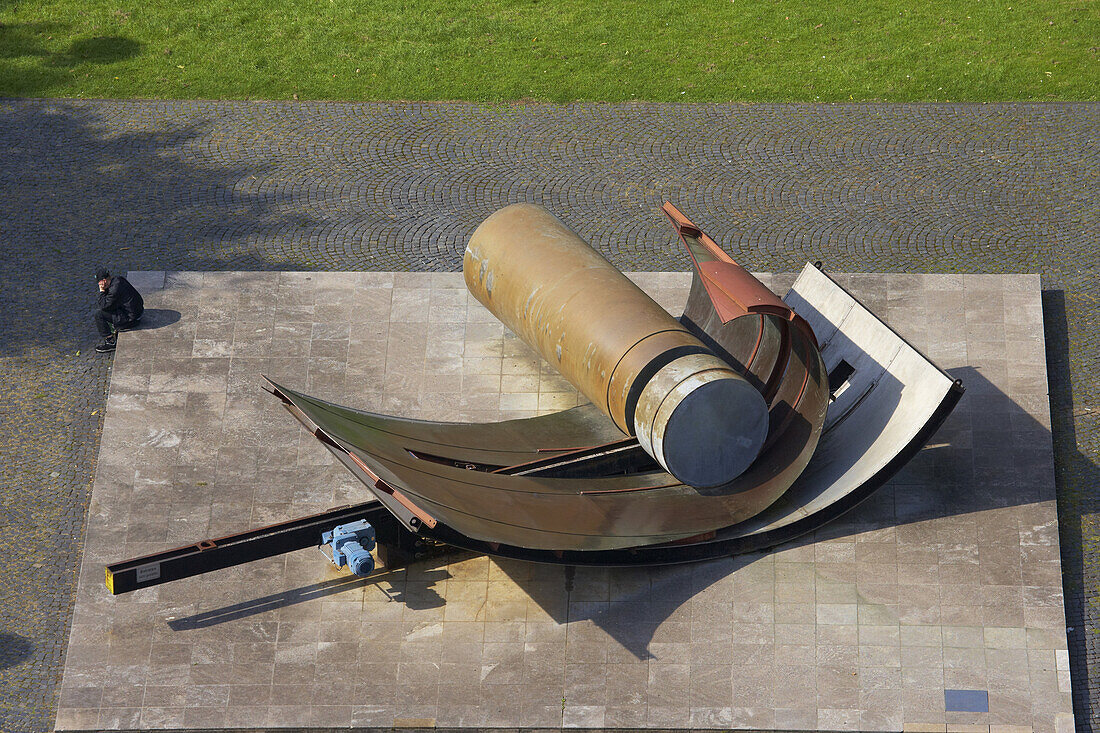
(121, 297)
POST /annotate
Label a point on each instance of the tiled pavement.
(947, 579)
(212, 186)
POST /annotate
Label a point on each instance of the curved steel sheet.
(625, 504)
(891, 404)
(568, 487)
(569, 481)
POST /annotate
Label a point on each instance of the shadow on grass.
(40, 68)
(98, 50)
(25, 39)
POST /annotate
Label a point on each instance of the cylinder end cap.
(714, 432)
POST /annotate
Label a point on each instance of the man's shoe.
(129, 326)
(106, 347)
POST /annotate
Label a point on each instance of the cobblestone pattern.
(233, 185)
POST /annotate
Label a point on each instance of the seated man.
(118, 307)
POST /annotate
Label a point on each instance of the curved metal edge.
(820, 268)
(709, 548)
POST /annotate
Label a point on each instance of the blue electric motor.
(351, 545)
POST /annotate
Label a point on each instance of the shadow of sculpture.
(394, 587)
(989, 454)
(267, 603)
(422, 595)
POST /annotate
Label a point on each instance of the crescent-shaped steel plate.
(849, 401)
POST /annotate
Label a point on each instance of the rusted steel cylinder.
(696, 416)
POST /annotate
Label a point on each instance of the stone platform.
(947, 579)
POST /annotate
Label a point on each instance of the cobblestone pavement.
(234, 185)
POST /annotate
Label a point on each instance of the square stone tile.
(947, 578)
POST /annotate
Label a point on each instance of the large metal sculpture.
(747, 422)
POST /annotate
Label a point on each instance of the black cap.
(101, 273)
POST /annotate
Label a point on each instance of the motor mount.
(351, 545)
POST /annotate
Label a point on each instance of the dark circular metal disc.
(715, 433)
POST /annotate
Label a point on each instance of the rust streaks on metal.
(381, 485)
(574, 480)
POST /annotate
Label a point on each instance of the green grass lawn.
(553, 50)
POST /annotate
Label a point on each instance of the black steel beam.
(224, 552)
